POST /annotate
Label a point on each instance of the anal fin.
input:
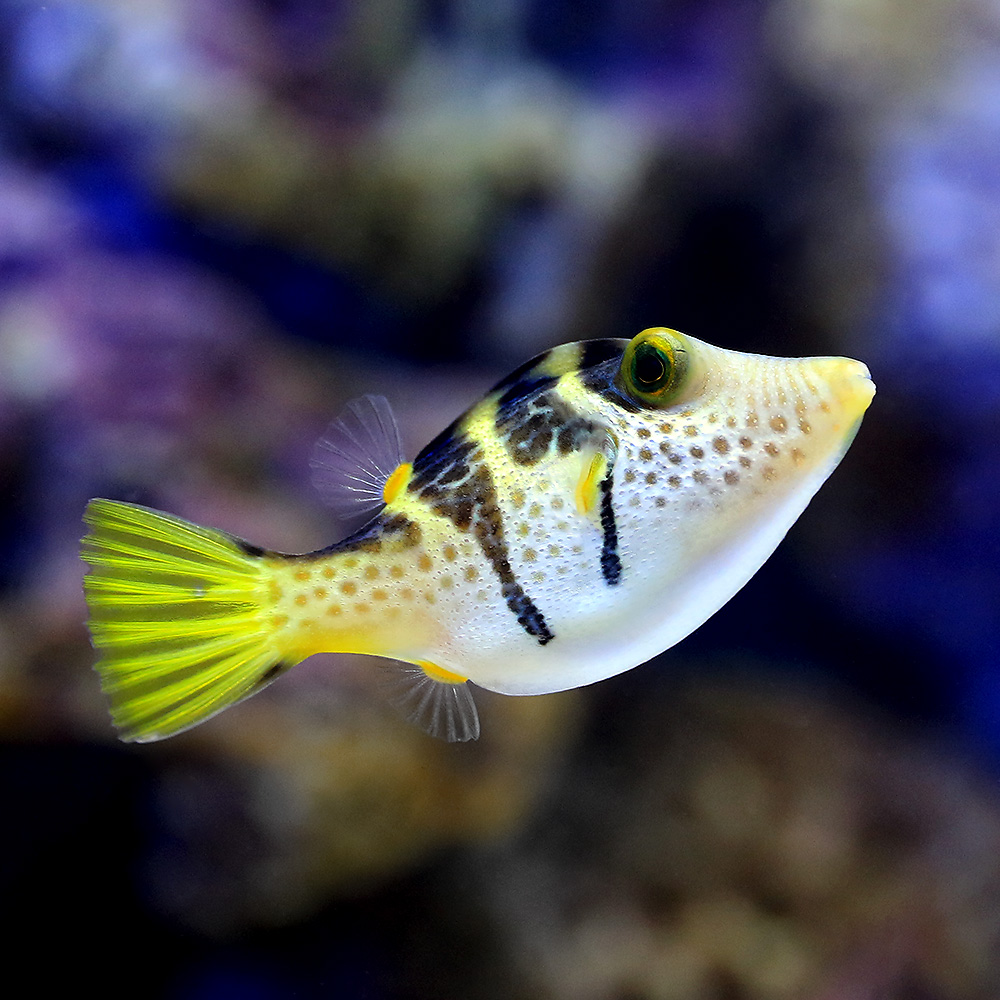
(438, 701)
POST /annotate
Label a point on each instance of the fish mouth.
(855, 389)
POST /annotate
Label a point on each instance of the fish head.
(717, 454)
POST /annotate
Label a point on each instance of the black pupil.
(650, 366)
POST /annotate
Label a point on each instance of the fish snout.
(849, 382)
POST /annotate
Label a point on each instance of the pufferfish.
(594, 508)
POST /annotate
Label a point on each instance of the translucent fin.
(354, 459)
(176, 617)
(444, 710)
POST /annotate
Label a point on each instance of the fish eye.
(654, 366)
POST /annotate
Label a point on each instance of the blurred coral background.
(222, 219)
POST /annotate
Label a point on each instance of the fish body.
(589, 512)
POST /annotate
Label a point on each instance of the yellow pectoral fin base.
(397, 482)
(175, 614)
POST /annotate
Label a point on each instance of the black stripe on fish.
(596, 352)
(447, 453)
(397, 531)
(457, 484)
(611, 564)
(273, 672)
(528, 431)
(602, 376)
(530, 379)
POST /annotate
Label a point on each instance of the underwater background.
(221, 220)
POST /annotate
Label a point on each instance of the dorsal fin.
(442, 708)
(354, 459)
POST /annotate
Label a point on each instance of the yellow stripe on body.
(561, 360)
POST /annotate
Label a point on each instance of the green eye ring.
(654, 367)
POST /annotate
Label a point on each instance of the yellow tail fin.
(176, 615)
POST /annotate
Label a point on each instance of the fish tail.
(178, 616)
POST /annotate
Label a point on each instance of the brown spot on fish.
(371, 572)
(651, 478)
(674, 481)
(746, 442)
(731, 477)
(772, 449)
(424, 562)
(721, 445)
(779, 424)
(697, 452)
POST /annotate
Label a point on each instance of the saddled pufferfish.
(594, 508)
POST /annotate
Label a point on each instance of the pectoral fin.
(357, 465)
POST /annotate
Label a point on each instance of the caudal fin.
(176, 614)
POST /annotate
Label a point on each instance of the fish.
(590, 511)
